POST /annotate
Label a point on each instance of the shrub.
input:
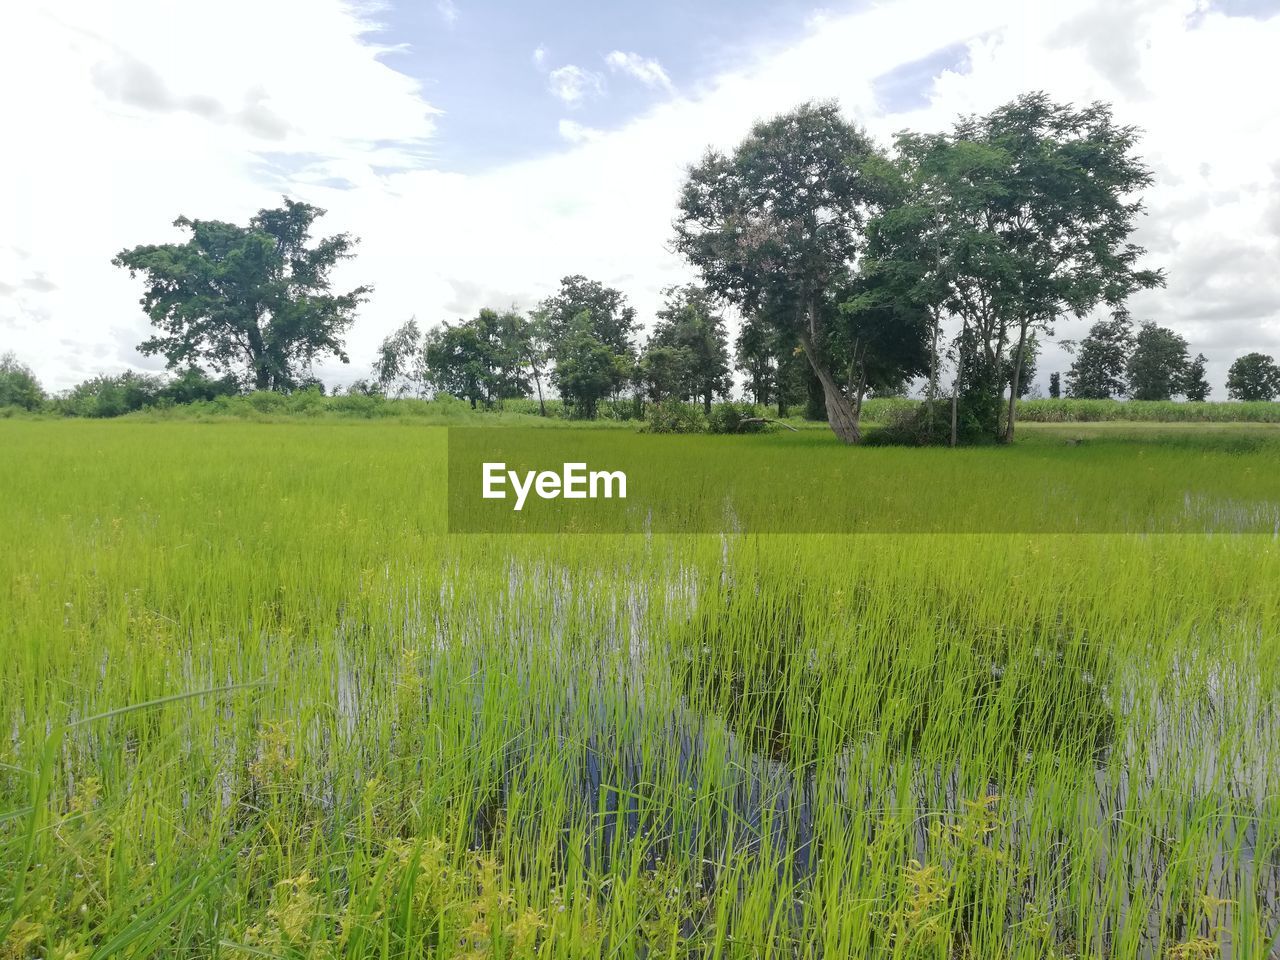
(672, 416)
(111, 396)
(734, 417)
(18, 385)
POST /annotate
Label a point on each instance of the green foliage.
(604, 311)
(736, 418)
(777, 224)
(756, 357)
(587, 368)
(1073, 410)
(674, 416)
(1019, 216)
(18, 385)
(398, 368)
(1194, 384)
(1255, 376)
(111, 396)
(692, 331)
(1157, 367)
(1098, 370)
(664, 372)
(254, 301)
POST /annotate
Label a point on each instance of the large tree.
(1024, 215)
(778, 224)
(1253, 376)
(252, 300)
(1158, 364)
(1098, 370)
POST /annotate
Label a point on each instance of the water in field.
(1140, 776)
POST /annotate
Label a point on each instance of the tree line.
(582, 342)
(856, 269)
(1154, 363)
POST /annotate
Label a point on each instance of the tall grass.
(255, 702)
(1156, 411)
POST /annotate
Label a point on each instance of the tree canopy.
(1253, 376)
(1157, 366)
(776, 224)
(253, 300)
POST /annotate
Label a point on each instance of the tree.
(526, 339)
(398, 365)
(1194, 384)
(755, 355)
(689, 322)
(608, 315)
(1027, 359)
(252, 300)
(587, 369)
(581, 323)
(1098, 370)
(1158, 363)
(482, 360)
(1046, 211)
(880, 335)
(1254, 376)
(18, 385)
(664, 371)
(455, 363)
(779, 223)
(1055, 385)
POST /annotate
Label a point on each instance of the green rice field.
(257, 701)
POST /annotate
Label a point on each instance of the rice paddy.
(256, 701)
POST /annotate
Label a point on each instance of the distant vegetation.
(844, 259)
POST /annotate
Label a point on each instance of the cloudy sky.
(482, 150)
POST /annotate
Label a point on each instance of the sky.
(483, 150)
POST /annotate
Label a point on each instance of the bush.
(734, 417)
(111, 396)
(672, 416)
(18, 385)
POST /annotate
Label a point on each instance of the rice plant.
(257, 702)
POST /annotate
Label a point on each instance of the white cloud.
(647, 71)
(539, 55)
(573, 85)
(448, 11)
(124, 152)
(576, 132)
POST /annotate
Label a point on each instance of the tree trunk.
(955, 388)
(840, 414)
(1014, 381)
(706, 403)
(933, 374)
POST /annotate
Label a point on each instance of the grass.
(266, 406)
(256, 702)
